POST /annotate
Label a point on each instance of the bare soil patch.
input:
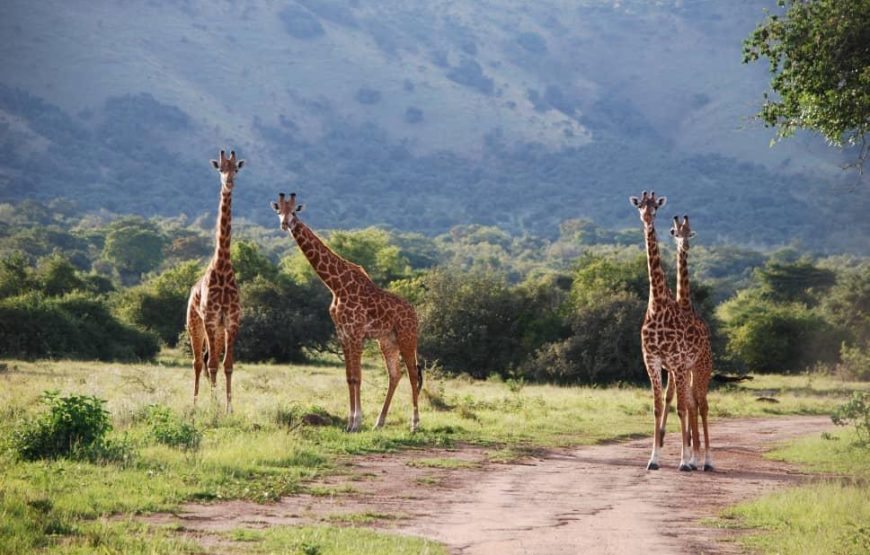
(597, 499)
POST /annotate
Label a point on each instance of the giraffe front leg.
(196, 334)
(654, 369)
(214, 340)
(352, 364)
(228, 366)
(669, 398)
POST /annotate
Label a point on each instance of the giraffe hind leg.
(390, 351)
(408, 346)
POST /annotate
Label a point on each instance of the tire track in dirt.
(596, 499)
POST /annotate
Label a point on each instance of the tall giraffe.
(213, 309)
(697, 334)
(360, 310)
(663, 342)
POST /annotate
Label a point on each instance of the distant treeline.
(563, 311)
(355, 173)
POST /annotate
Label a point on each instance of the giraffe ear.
(216, 164)
(275, 207)
(691, 234)
(673, 232)
(634, 200)
(299, 208)
(241, 163)
(662, 201)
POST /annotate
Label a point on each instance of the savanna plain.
(287, 434)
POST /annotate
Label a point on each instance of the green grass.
(329, 540)
(262, 452)
(831, 515)
(445, 463)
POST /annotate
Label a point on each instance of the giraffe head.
(682, 232)
(286, 210)
(228, 168)
(647, 205)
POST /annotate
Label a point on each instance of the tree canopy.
(819, 54)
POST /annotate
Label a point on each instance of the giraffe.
(360, 310)
(213, 309)
(697, 334)
(663, 341)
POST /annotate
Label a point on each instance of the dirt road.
(597, 499)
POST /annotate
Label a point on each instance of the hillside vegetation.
(414, 116)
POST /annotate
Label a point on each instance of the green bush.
(169, 429)
(857, 414)
(281, 319)
(603, 345)
(160, 304)
(772, 337)
(74, 426)
(73, 326)
(476, 322)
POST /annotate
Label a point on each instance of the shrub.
(75, 425)
(854, 362)
(169, 429)
(160, 304)
(474, 322)
(772, 337)
(857, 414)
(280, 319)
(74, 326)
(604, 344)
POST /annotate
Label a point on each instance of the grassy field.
(831, 515)
(264, 451)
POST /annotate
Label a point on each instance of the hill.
(418, 116)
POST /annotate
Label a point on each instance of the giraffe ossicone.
(360, 310)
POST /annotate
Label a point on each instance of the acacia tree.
(819, 54)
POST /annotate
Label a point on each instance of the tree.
(249, 263)
(160, 304)
(473, 322)
(133, 246)
(819, 54)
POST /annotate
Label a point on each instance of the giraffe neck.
(328, 265)
(658, 287)
(224, 226)
(683, 291)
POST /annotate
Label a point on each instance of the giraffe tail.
(419, 377)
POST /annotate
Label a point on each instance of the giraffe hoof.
(685, 468)
(652, 466)
(693, 466)
(708, 468)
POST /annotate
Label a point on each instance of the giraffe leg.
(196, 334)
(352, 363)
(703, 409)
(669, 397)
(215, 346)
(654, 369)
(685, 407)
(230, 341)
(390, 350)
(408, 347)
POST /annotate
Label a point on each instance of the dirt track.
(585, 500)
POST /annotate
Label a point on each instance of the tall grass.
(266, 450)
